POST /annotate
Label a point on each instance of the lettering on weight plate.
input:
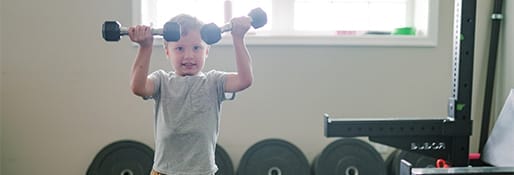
(427, 146)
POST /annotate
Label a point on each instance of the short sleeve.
(225, 95)
(220, 77)
(156, 77)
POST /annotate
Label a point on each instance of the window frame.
(429, 40)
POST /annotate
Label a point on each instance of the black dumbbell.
(211, 33)
(112, 31)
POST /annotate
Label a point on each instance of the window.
(319, 22)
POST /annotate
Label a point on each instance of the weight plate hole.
(352, 171)
(274, 171)
(127, 172)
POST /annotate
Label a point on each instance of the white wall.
(65, 90)
(482, 32)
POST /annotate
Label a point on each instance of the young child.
(187, 100)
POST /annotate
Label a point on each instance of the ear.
(166, 51)
(207, 51)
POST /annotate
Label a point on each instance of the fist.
(141, 34)
(240, 26)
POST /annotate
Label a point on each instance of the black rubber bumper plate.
(122, 158)
(223, 161)
(349, 156)
(273, 157)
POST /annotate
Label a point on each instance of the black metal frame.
(496, 19)
(446, 138)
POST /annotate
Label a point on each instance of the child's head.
(188, 54)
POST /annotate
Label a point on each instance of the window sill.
(365, 40)
(370, 40)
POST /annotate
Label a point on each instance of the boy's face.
(188, 54)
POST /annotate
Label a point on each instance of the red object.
(441, 163)
(474, 156)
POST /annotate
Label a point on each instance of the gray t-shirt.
(187, 112)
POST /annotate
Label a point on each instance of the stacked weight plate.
(350, 157)
(393, 161)
(273, 157)
(128, 157)
(223, 161)
(122, 158)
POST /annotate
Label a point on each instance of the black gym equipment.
(211, 33)
(223, 161)
(496, 18)
(351, 157)
(124, 157)
(438, 138)
(389, 162)
(112, 31)
(417, 161)
(273, 157)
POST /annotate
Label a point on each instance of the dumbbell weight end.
(259, 17)
(211, 33)
(171, 31)
(111, 31)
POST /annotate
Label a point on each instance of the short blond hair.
(187, 23)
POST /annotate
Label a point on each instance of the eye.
(179, 48)
(197, 48)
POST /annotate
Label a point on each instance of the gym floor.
(65, 92)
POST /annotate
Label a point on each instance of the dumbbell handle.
(228, 27)
(159, 31)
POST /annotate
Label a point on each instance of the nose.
(188, 53)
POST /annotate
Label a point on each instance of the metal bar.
(426, 127)
(407, 169)
(496, 18)
(464, 171)
(466, 45)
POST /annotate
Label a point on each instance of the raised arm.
(243, 78)
(140, 84)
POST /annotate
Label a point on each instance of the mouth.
(188, 65)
